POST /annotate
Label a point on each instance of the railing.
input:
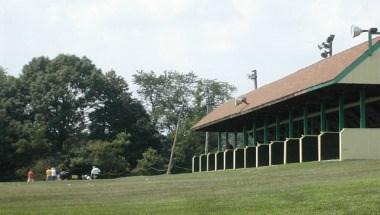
(325, 146)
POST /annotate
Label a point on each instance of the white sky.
(219, 39)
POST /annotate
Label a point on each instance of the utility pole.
(207, 110)
(253, 76)
(170, 166)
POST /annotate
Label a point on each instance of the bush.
(152, 163)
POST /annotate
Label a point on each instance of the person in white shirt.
(53, 174)
(95, 171)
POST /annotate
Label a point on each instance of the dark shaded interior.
(309, 148)
(196, 164)
(239, 162)
(263, 155)
(292, 151)
(220, 161)
(211, 162)
(330, 146)
(229, 159)
(204, 163)
(250, 156)
(277, 153)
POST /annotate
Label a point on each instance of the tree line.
(67, 113)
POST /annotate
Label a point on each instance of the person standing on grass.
(95, 171)
(30, 176)
(48, 174)
(53, 174)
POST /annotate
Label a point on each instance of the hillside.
(349, 187)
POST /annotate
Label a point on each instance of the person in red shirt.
(30, 176)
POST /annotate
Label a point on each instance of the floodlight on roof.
(330, 38)
(356, 31)
(326, 47)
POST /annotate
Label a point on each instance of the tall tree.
(116, 111)
(167, 96)
(61, 93)
(171, 95)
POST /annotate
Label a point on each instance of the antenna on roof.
(253, 76)
(326, 47)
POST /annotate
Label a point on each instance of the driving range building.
(328, 110)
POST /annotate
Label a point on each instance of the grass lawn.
(348, 187)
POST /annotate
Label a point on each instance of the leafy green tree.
(116, 111)
(173, 95)
(61, 92)
(167, 96)
(12, 119)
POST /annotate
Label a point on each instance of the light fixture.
(356, 31)
(326, 47)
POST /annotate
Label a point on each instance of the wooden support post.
(363, 117)
(290, 127)
(265, 131)
(219, 141)
(277, 128)
(227, 140)
(235, 139)
(254, 139)
(341, 113)
(305, 122)
(245, 138)
(323, 117)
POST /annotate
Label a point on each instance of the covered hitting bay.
(300, 117)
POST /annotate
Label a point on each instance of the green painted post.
(290, 127)
(311, 126)
(323, 117)
(305, 122)
(245, 136)
(363, 122)
(341, 113)
(369, 44)
(265, 131)
(227, 140)
(235, 139)
(277, 129)
(254, 135)
(219, 141)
